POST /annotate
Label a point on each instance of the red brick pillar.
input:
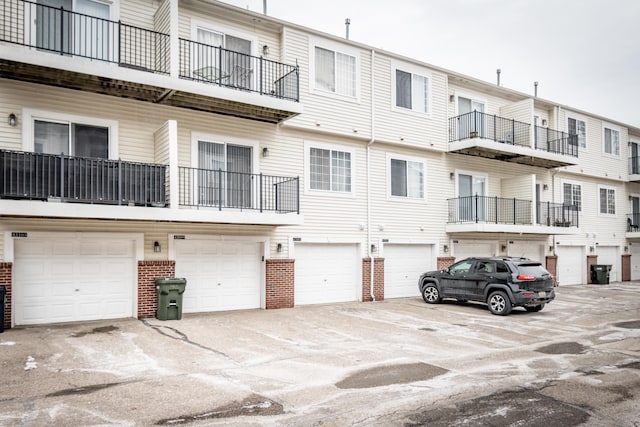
(280, 283)
(591, 260)
(552, 265)
(445, 261)
(626, 267)
(378, 279)
(148, 271)
(6, 280)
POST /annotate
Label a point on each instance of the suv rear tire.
(431, 294)
(499, 303)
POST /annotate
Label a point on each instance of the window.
(572, 195)
(578, 127)
(329, 170)
(607, 201)
(335, 72)
(611, 141)
(407, 178)
(68, 138)
(412, 91)
(461, 267)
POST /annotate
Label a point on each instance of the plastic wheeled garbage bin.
(600, 274)
(170, 292)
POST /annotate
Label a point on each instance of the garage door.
(467, 248)
(532, 250)
(221, 275)
(571, 265)
(403, 265)
(609, 255)
(635, 261)
(326, 273)
(73, 279)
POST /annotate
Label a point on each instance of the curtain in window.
(239, 176)
(206, 60)
(403, 89)
(325, 69)
(611, 141)
(607, 201)
(238, 63)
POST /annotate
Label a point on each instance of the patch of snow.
(31, 364)
(7, 343)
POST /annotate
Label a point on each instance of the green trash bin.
(600, 274)
(170, 292)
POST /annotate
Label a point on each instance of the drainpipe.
(371, 141)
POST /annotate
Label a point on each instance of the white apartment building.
(272, 165)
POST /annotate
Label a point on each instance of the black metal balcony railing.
(36, 176)
(497, 210)
(634, 165)
(557, 214)
(484, 209)
(633, 222)
(61, 31)
(555, 141)
(234, 190)
(507, 131)
(223, 67)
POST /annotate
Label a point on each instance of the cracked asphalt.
(392, 363)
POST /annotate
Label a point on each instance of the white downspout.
(371, 141)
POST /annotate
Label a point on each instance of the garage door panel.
(531, 250)
(473, 249)
(609, 255)
(570, 265)
(326, 273)
(403, 265)
(60, 282)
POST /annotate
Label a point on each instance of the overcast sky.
(583, 53)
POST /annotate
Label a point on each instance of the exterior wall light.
(279, 247)
(13, 120)
(156, 247)
(265, 152)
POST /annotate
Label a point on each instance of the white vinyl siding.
(607, 201)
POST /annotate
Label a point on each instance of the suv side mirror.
(445, 270)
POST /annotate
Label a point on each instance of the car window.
(501, 267)
(461, 268)
(532, 269)
(486, 267)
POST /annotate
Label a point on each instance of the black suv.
(500, 282)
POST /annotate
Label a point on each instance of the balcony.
(499, 138)
(634, 168)
(225, 190)
(633, 224)
(497, 214)
(58, 47)
(46, 177)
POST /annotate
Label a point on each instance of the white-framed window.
(607, 199)
(406, 177)
(328, 168)
(572, 194)
(411, 88)
(578, 126)
(611, 140)
(335, 69)
(57, 133)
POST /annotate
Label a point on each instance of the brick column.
(280, 283)
(445, 261)
(552, 265)
(148, 271)
(6, 279)
(626, 267)
(591, 260)
(378, 279)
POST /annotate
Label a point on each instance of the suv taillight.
(526, 277)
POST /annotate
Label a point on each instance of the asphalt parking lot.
(396, 362)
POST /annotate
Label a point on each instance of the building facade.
(272, 165)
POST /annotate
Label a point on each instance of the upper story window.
(572, 195)
(607, 201)
(578, 127)
(407, 177)
(329, 169)
(412, 91)
(55, 133)
(335, 72)
(611, 141)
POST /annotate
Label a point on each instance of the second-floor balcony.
(500, 138)
(498, 214)
(61, 47)
(634, 168)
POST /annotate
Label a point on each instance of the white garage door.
(571, 265)
(403, 265)
(531, 250)
(326, 273)
(221, 275)
(635, 261)
(609, 255)
(73, 279)
(468, 248)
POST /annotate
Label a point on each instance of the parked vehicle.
(500, 282)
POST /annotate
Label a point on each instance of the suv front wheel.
(499, 303)
(431, 294)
